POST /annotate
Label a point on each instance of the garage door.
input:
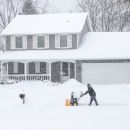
(102, 73)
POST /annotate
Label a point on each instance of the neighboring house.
(58, 47)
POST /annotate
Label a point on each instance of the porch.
(55, 71)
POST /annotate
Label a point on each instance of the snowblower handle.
(82, 95)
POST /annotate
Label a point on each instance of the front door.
(56, 72)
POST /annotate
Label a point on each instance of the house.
(58, 47)
(36, 46)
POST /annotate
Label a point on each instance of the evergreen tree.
(29, 7)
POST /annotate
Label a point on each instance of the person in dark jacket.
(92, 94)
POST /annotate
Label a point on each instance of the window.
(65, 67)
(43, 67)
(31, 68)
(41, 42)
(63, 41)
(19, 42)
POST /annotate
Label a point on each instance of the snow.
(72, 82)
(46, 24)
(45, 107)
(94, 46)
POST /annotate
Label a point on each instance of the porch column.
(50, 70)
(7, 68)
(1, 70)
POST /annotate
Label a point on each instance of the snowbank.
(73, 83)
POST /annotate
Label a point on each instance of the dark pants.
(93, 98)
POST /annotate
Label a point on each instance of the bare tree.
(10, 8)
(107, 15)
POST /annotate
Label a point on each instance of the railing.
(20, 77)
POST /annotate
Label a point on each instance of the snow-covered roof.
(94, 46)
(46, 24)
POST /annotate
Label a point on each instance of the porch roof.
(94, 46)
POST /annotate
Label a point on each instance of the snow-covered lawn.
(45, 107)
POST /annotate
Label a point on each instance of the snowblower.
(73, 101)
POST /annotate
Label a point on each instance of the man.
(92, 94)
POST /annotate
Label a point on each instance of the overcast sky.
(63, 5)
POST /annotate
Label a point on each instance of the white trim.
(69, 40)
(35, 42)
(57, 41)
(7, 68)
(24, 42)
(47, 68)
(46, 41)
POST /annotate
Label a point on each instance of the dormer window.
(41, 41)
(19, 42)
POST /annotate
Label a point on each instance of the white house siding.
(106, 73)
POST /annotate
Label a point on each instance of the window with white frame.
(41, 41)
(63, 41)
(19, 42)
